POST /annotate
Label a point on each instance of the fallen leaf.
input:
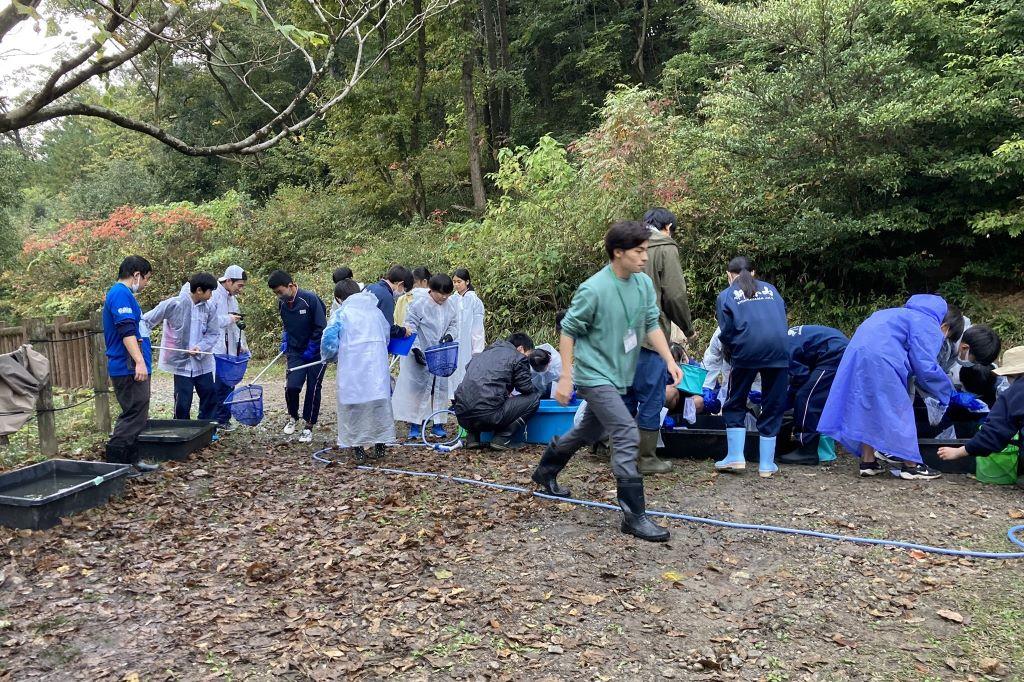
(590, 599)
(672, 576)
(1016, 513)
(443, 574)
(992, 666)
(950, 615)
(333, 653)
(917, 554)
(843, 641)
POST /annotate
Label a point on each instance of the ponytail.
(741, 267)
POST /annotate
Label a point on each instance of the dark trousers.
(133, 397)
(221, 392)
(312, 378)
(809, 402)
(516, 407)
(203, 386)
(645, 398)
(774, 386)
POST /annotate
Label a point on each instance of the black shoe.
(379, 450)
(635, 521)
(133, 472)
(503, 439)
(359, 454)
(798, 457)
(916, 472)
(551, 464)
(472, 441)
(146, 467)
(870, 469)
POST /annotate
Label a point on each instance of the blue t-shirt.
(120, 306)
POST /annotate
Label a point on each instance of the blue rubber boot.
(734, 461)
(766, 467)
(826, 450)
(415, 433)
(438, 431)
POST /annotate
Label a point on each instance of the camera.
(241, 322)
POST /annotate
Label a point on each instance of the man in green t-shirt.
(610, 315)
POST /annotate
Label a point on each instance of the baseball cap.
(233, 272)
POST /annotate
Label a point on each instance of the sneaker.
(289, 427)
(226, 428)
(146, 467)
(359, 454)
(306, 436)
(870, 469)
(886, 459)
(917, 472)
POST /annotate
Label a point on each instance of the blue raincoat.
(870, 402)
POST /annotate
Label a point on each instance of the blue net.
(231, 368)
(246, 404)
(442, 359)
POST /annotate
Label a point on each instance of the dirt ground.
(250, 562)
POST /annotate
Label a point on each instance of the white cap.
(233, 272)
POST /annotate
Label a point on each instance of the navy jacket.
(1003, 423)
(304, 320)
(386, 304)
(754, 330)
(812, 346)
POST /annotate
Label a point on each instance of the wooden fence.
(77, 356)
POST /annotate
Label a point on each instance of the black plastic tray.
(706, 439)
(176, 439)
(38, 496)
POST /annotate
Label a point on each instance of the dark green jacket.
(669, 285)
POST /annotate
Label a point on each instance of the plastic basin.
(38, 496)
(551, 419)
(165, 439)
(401, 346)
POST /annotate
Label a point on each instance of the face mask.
(135, 285)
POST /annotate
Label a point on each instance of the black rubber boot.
(379, 450)
(551, 464)
(806, 454)
(359, 454)
(503, 439)
(116, 454)
(473, 441)
(635, 521)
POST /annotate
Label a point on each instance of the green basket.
(999, 468)
(693, 379)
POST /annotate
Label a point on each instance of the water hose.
(1011, 534)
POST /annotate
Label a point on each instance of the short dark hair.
(243, 278)
(520, 339)
(341, 273)
(677, 351)
(463, 274)
(441, 283)
(279, 278)
(559, 316)
(660, 218)
(398, 273)
(625, 235)
(202, 280)
(954, 322)
(132, 264)
(540, 359)
(421, 273)
(345, 288)
(984, 342)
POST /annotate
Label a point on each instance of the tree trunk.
(492, 106)
(419, 192)
(469, 99)
(505, 60)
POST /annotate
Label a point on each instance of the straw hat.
(1013, 362)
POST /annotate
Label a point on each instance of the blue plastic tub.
(551, 420)
(231, 368)
(401, 346)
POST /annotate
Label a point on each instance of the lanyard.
(618, 289)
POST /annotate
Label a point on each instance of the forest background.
(857, 150)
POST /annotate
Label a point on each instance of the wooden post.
(59, 356)
(100, 382)
(45, 416)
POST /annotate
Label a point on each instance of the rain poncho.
(357, 336)
(230, 340)
(185, 325)
(548, 377)
(870, 402)
(471, 334)
(429, 321)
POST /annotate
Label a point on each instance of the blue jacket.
(386, 304)
(303, 320)
(1003, 423)
(812, 346)
(754, 330)
(121, 317)
(870, 402)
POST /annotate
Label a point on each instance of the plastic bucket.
(999, 468)
(551, 419)
(693, 379)
(442, 359)
(246, 404)
(401, 346)
(230, 368)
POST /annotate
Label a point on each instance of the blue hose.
(1011, 534)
